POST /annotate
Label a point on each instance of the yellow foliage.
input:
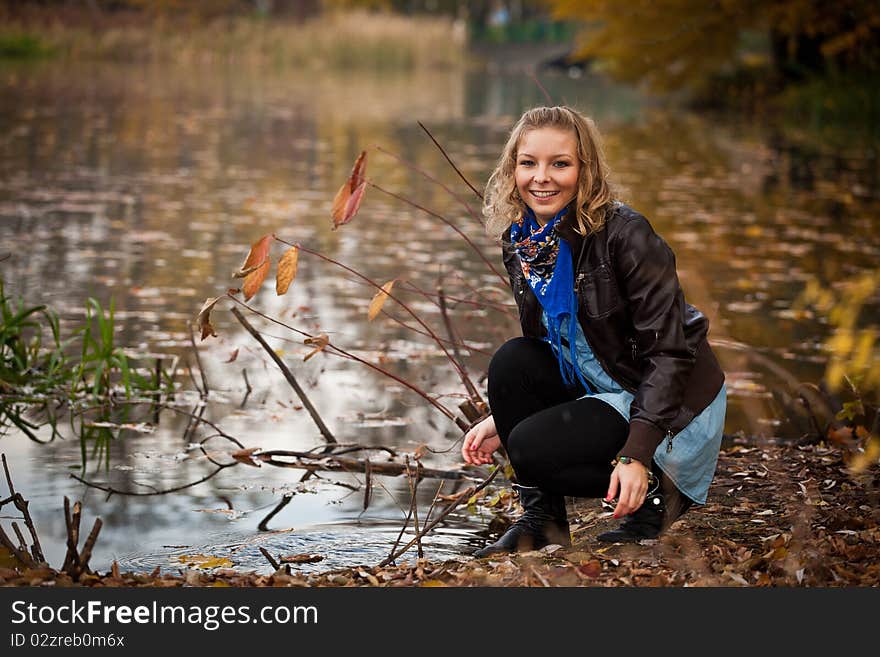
(853, 351)
(674, 44)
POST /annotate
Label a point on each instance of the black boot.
(651, 519)
(544, 521)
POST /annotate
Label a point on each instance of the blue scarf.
(546, 263)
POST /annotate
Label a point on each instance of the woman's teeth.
(544, 194)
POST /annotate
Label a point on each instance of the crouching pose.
(613, 391)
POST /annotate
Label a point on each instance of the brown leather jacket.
(635, 318)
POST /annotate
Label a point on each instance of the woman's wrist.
(626, 460)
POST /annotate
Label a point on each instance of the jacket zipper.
(669, 437)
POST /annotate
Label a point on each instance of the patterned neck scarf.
(546, 264)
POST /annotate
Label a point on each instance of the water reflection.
(148, 184)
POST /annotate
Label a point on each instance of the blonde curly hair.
(502, 204)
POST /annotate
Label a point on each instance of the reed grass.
(350, 40)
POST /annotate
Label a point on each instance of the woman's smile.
(547, 170)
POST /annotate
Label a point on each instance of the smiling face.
(547, 170)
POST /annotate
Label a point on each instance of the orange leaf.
(286, 270)
(232, 356)
(319, 342)
(340, 201)
(255, 279)
(354, 203)
(204, 318)
(358, 171)
(590, 568)
(348, 198)
(256, 258)
(379, 300)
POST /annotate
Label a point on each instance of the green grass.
(22, 46)
(41, 374)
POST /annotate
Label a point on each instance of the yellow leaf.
(379, 300)
(433, 583)
(204, 561)
(286, 270)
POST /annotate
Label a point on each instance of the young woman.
(613, 390)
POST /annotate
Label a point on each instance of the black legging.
(555, 441)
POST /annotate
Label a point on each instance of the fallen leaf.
(204, 561)
(232, 356)
(379, 300)
(590, 568)
(739, 579)
(301, 558)
(204, 318)
(286, 270)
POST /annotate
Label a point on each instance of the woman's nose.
(541, 175)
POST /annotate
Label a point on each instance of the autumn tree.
(675, 44)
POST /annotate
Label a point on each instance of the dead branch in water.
(459, 498)
(75, 563)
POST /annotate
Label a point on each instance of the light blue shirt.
(694, 455)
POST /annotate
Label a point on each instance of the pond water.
(146, 185)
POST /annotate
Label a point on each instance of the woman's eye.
(526, 163)
(560, 165)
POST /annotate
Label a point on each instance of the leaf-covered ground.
(777, 516)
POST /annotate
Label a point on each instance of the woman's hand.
(632, 480)
(480, 442)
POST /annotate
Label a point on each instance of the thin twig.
(463, 495)
(8, 476)
(192, 341)
(454, 339)
(395, 298)
(246, 383)
(434, 180)
(434, 502)
(313, 412)
(115, 491)
(446, 221)
(547, 96)
(413, 489)
(414, 329)
(449, 159)
(22, 505)
(192, 377)
(270, 558)
(342, 353)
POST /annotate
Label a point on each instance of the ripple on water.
(340, 546)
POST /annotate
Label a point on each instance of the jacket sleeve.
(645, 266)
